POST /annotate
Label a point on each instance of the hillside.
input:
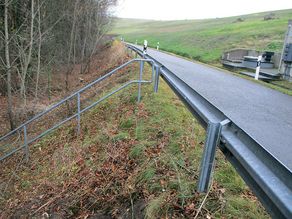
(206, 39)
(130, 161)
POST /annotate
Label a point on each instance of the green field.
(205, 40)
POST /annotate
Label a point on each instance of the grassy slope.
(205, 40)
(128, 153)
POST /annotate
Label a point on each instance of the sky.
(195, 9)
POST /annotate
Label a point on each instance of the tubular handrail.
(74, 94)
(77, 93)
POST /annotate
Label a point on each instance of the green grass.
(205, 40)
(157, 145)
(172, 130)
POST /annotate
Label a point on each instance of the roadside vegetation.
(37, 39)
(130, 161)
(205, 40)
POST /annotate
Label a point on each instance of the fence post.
(207, 164)
(156, 81)
(25, 144)
(140, 79)
(78, 113)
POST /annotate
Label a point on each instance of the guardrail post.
(140, 79)
(26, 149)
(207, 164)
(153, 72)
(156, 81)
(78, 113)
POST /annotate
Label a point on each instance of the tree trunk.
(8, 67)
(71, 47)
(39, 50)
(49, 81)
(28, 57)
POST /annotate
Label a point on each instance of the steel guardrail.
(268, 178)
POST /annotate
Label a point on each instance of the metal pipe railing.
(77, 94)
(74, 94)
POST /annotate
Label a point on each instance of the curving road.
(263, 113)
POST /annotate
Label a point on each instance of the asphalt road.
(265, 114)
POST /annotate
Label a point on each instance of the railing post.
(140, 79)
(78, 113)
(26, 149)
(156, 80)
(207, 164)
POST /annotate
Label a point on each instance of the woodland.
(38, 36)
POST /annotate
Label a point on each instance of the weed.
(146, 175)
(137, 151)
(156, 206)
(120, 136)
(126, 124)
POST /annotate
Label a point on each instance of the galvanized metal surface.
(208, 160)
(265, 114)
(77, 115)
(268, 177)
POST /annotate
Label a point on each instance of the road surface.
(263, 113)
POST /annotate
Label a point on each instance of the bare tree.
(38, 35)
(39, 50)
(27, 57)
(8, 66)
(71, 47)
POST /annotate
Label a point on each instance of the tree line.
(36, 35)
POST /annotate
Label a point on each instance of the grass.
(205, 40)
(127, 152)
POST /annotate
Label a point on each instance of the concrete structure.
(241, 56)
(285, 66)
(246, 58)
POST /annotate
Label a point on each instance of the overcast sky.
(195, 9)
